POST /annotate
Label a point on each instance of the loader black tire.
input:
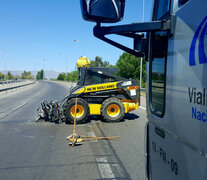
(112, 110)
(82, 111)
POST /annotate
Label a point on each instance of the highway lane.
(31, 150)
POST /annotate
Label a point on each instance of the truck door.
(157, 66)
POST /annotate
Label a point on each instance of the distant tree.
(106, 64)
(2, 76)
(40, 75)
(129, 67)
(72, 76)
(99, 63)
(61, 77)
(9, 75)
(26, 75)
(17, 77)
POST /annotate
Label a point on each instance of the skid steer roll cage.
(141, 41)
(106, 72)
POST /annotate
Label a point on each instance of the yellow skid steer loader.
(99, 92)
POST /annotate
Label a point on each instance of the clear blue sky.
(36, 34)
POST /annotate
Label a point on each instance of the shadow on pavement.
(130, 116)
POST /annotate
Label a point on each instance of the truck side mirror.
(107, 11)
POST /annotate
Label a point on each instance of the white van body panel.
(182, 153)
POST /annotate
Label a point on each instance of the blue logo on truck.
(200, 34)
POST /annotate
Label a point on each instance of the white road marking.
(31, 137)
(104, 168)
(24, 103)
(20, 106)
(142, 108)
(81, 125)
(16, 129)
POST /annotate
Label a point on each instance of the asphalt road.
(39, 150)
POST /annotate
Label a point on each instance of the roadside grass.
(143, 93)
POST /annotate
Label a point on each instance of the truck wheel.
(112, 110)
(81, 114)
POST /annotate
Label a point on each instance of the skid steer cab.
(99, 92)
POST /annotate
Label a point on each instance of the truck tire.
(82, 111)
(112, 110)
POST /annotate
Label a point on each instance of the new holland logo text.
(199, 37)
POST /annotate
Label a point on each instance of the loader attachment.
(49, 112)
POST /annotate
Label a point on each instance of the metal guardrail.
(143, 89)
(14, 87)
(10, 82)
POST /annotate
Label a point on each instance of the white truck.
(175, 45)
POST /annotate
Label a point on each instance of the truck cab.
(174, 44)
(176, 100)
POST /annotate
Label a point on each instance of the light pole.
(51, 73)
(66, 61)
(44, 60)
(66, 66)
(81, 45)
(141, 57)
(5, 63)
